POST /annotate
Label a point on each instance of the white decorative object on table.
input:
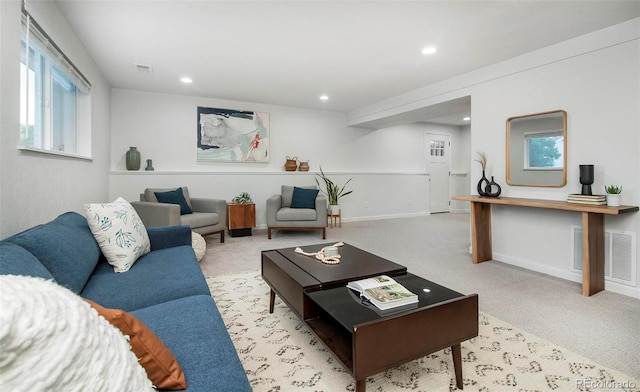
(199, 245)
(326, 255)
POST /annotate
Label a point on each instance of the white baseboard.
(381, 217)
(263, 226)
(565, 274)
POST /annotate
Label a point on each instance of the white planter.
(613, 200)
(334, 209)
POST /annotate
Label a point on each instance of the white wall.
(595, 78)
(460, 167)
(35, 188)
(387, 165)
(163, 127)
(602, 102)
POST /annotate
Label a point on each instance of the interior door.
(438, 159)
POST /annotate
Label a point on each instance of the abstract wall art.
(227, 135)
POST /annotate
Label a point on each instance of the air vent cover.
(144, 68)
(619, 255)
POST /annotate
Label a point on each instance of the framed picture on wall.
(227, 135)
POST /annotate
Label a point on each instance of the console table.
(592, 232)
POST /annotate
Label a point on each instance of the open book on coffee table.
(383, 292)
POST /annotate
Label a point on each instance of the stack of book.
(383, 292)
(599, 200)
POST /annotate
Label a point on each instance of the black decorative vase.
(586, 178)
(133, 159)
(483, 184)
(489, 189)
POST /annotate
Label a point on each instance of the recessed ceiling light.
(467, 118)
(429, 50)
(186, 80)
(324, 97)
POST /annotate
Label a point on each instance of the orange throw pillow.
(162, 368)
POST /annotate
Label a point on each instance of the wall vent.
(144, 68)
(619, 255)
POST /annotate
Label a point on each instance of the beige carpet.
(279, 353)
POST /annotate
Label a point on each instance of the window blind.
(35, 35)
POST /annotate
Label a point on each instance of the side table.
(334, 219)
(240, 219)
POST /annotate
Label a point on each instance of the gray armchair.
(209, 216)
(281, 216)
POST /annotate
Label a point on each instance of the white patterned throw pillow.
(52, 340)
(119, 232)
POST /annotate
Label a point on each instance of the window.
(54, 96)
(437, 148)
(543, 150)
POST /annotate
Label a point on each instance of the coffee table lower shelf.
(338, 341)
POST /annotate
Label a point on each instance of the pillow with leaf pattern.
(119, 232)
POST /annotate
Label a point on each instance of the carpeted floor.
(604, 328)
(279, 353)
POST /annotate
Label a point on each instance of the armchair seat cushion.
(200, 219)
(296, 214)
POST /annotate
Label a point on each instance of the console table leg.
(592, 253)
(272, 300)
(361, 385)
(481, 232)
(457, 364)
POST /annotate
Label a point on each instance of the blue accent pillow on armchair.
(174, 197)
(304, 198)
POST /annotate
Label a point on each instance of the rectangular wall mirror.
(537, 149)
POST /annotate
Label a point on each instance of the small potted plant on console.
(613, 195)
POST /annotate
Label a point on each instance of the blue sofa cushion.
(16, 260)
(66, 248)
(304, 198)
(193, 330)
(159, 276)
(174, 197)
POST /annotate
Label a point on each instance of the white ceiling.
(291, 52)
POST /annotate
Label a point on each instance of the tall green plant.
(333, 191)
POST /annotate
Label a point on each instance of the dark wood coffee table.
(366, 340)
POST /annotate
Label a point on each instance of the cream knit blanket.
(51, 340)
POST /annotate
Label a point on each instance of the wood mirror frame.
(522, 132)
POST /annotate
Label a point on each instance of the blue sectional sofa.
(165, 289)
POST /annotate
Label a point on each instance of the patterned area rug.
(279, 353)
